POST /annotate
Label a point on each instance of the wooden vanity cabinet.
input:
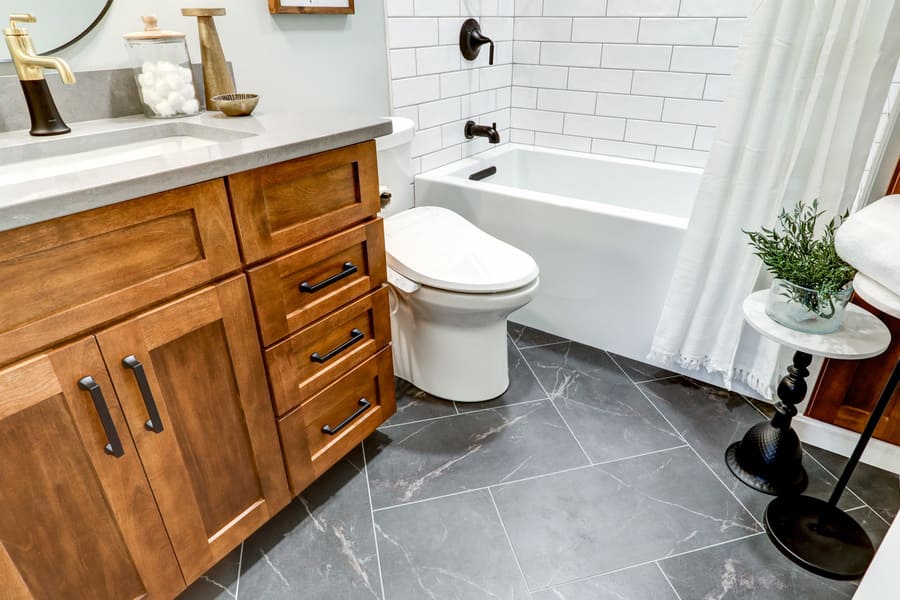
(211, 455)
(138, 437)
(77, 521)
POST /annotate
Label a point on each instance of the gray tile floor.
(593, 477)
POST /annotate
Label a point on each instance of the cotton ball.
(174, 82)
(162, 88)
(176, 100)
(166, 68)
(151, 98)
(164, 109)
(190, 106)
(186, 74)
(148, 67)
(146, 79)
(188, 91)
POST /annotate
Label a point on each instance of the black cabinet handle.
(349, 269)
(154, 422)
(355, 336)
(363, 405)
(114, 445)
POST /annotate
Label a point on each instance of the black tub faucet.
(45, 118)
(473, 130)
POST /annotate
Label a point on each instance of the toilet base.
(454, 346)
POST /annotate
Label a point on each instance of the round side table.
(811, 532)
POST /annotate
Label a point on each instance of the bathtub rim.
(450, 174)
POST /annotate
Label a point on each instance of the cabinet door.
(76, 521)
(211, 453)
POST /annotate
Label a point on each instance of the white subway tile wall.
(437, 88)
(632, 78)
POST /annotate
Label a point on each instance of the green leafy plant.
(791, 252)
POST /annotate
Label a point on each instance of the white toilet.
(453, 286)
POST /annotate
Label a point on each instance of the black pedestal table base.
(769, 457)
(818, 537)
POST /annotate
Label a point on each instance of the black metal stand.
(817, 535)
(769, 457)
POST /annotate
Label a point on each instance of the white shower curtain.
(797, 124)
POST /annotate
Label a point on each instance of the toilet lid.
(438, 248)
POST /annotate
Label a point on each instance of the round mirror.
(60, 23)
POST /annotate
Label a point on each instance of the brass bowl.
(236, 105)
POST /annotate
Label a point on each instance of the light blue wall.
(295, 62)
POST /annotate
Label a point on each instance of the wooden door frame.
(837, 376)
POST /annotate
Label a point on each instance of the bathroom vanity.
(187, 340)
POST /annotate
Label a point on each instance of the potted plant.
(812, 283)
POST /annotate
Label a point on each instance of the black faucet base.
(45, 118)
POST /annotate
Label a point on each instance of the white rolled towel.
(870, 241)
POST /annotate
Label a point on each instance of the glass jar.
(162, 71)
(807, 310)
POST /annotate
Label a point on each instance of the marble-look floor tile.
(525, 337)
(748, 569)
(448, 548)
(610, 417)
(523, 386)
(639, 583)
(468, 451)
(879, 489)
(639, 371)
(602, 518)
(710, 419)
(415, 405)
(219, 583)
(321, 546)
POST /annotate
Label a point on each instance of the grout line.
(362, 447)
(508, 540)
(694, 450)
(556, 408)
(463, 413)
(666, 577)
(237, 585)
(648, 562)
(642, 454)
(529, 478)
(482, 488)
(642, 381)
(847, 489)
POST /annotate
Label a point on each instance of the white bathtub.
(604, 231)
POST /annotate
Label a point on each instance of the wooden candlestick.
(216, 77)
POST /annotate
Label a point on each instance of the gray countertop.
(268, 139)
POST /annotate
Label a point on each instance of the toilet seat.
(436, 247)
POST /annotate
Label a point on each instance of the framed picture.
(303, 7)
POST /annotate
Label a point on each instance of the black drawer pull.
(154, 422)
(349, 269)
(363, 405)
(355, 336)
(114, 445)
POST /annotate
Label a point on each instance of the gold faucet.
(45, 118)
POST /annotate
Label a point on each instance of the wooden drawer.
(307, 362)
(283, 206)
(354, 406)
(298, 288)
(65, 276)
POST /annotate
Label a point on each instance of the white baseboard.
(842, 441)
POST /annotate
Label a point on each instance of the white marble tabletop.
(861, 334)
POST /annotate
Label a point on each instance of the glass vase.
(807, 310)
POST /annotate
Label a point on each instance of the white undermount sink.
(52, 157)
